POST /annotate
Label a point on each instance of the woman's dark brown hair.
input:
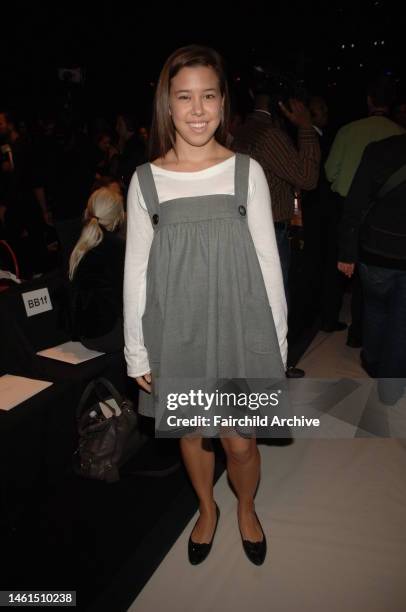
(162, 137)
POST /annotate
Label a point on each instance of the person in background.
(343, 161)
(70, 183)
(124, 129)
(115, 185)
(235, 122)
(143, 135)
(108, 158)
(319, 213)
(399, 111)
(373, 238)
(319, 113)
(96, 270)
(22, 194)
(133, 146)
(287, 168)
(107, 181)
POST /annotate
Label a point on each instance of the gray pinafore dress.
(207, 315)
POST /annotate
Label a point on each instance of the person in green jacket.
(343, 161)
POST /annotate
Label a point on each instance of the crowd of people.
(327, 169)
(48, 174)
(176, 242)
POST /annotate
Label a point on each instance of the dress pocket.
(260, 335)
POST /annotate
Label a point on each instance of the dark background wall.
(120, 48)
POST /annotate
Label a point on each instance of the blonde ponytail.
(104, 209)
(90, 237)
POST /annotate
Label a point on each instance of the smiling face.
(195, 103)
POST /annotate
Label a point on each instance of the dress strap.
(149, 192)
(242, 167)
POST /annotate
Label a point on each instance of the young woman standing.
(203, 289)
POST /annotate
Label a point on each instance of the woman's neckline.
(183, 172)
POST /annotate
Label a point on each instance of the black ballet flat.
(255, 551)
(199, 552)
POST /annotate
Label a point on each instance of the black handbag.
(108, 432)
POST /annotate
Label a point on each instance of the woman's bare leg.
(243, 467)
(199, 464)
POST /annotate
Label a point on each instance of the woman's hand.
(145, 381)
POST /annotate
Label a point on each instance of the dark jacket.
(375, 232)
(97, 288)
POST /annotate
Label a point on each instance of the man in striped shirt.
(287, 168)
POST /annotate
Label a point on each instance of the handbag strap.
(113, 391)
(93, 386)
(396, 179)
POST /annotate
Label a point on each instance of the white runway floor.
(334, 512)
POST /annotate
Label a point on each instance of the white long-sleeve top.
(218, 179)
